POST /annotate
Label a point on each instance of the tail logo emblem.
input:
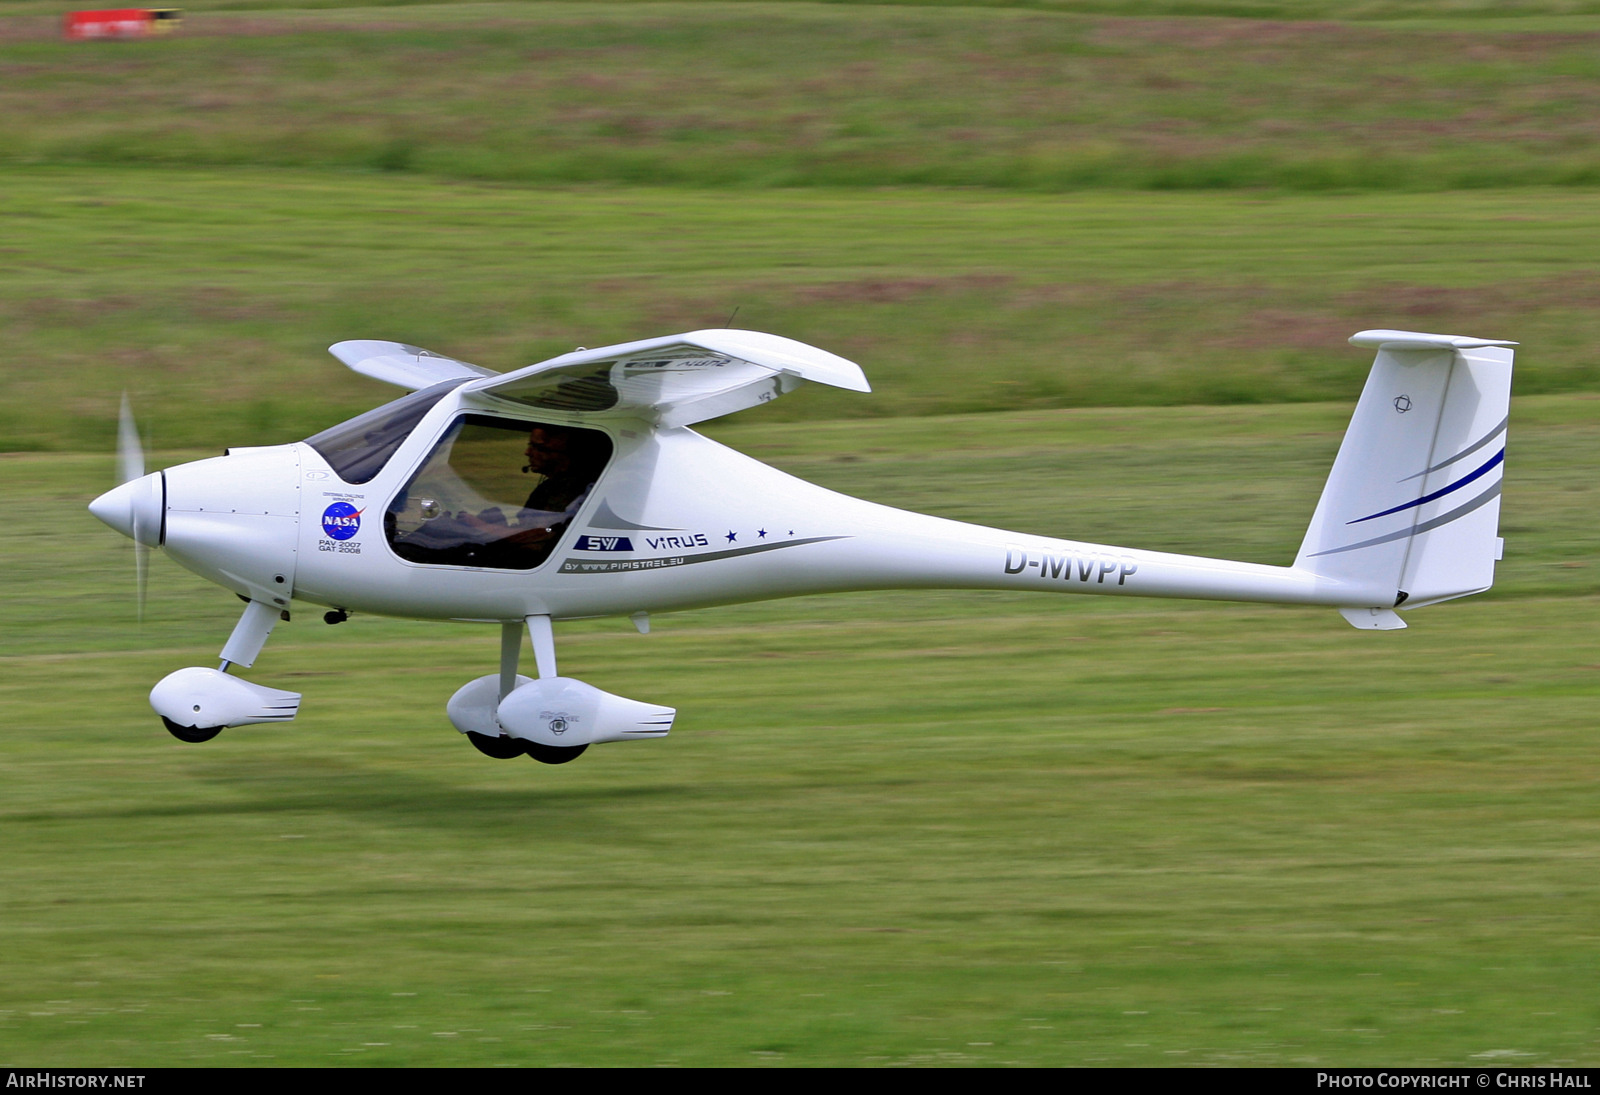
(1402, 403)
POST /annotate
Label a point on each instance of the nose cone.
(135, 509)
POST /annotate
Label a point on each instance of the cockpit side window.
(358, 449)
(496, 493)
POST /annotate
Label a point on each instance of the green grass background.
(947, 828)
(222, 290)
(1098, 260)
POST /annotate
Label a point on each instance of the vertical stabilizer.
(1411, 508)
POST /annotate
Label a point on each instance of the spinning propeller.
(136, 506)
(130, 466)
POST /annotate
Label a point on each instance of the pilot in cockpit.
(561, 459)
(550, 455)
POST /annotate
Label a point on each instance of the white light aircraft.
(575, 488)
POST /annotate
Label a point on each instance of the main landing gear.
(552, 719)
(504, 748)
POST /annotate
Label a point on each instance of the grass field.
(949, 828)
(1505, 13)
(220, 290)
(1099, 261)
(990, 208)
(758, 95)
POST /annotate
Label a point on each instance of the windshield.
(358, 449)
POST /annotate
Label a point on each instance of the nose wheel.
(194, 735)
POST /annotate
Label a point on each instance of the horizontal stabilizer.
(1416, 340)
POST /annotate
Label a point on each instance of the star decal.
(761, 534)
(732, 536)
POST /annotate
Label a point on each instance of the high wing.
(674, 380)
(406, 366)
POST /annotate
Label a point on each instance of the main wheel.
(500, 748)
(554, 754)
(194, 735)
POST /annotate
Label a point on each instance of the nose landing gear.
(194, 735)
(196, 703)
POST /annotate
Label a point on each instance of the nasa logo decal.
(341, 520)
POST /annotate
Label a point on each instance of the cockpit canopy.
(494, 492)
(358, 449)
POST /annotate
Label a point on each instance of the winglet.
(786, 355)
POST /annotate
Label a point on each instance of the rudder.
(1410, 512)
